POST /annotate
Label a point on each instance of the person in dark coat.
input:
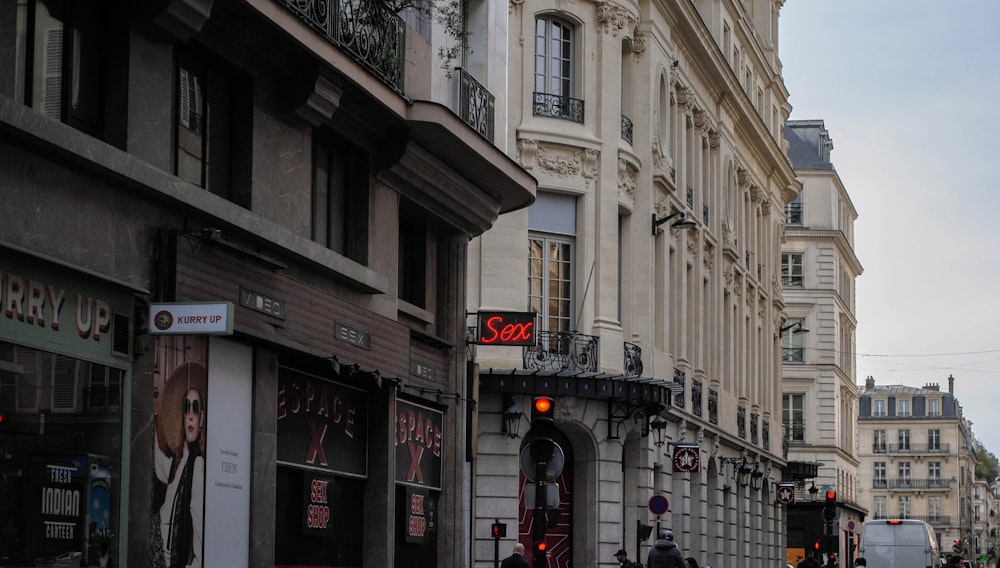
(515, 560)
(665, 553)
(623, 561)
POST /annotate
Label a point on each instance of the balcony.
(792, 354)
(370, 33)
(475, 104)
(633, 360)
(910, 449)
(627, 129)
(933, 520)
(557, 106)
(562, 351)
(912, 484)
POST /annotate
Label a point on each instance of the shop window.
(306, 534)
(69, 62)
(340, 196)
(61, 464)
(213, 126)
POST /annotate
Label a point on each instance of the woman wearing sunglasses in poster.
(180, 468)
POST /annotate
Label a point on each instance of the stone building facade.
(234, 275)
(634, 116)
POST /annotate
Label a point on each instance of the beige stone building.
(819, 393)
(634, 116)
(917, 460)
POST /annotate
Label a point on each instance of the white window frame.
(879, 407)
(880, 442)
(905, 507)
(934, 440)
(933, 407)
(903, 441)
(542, 303)
(547, 81)
(793, 416)
(904, 407)
(793, 269)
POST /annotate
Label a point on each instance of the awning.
(584, 384)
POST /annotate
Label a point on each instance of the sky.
(910, 93)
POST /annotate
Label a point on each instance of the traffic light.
(498, 530)
(816, 545)
(831, 497)
(541, 549)
(542, 426)
(957, 546)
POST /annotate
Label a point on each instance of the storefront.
(65, 363)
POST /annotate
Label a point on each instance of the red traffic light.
(816, 545)
(541, 546)
(543, 407)
(831, 496)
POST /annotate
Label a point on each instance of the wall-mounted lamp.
(794, 327)
(741, 470)
(813, 490)
(658, 426)
(756, 476)
(511, 419)
(682, 223)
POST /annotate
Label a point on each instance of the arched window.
(555, 69)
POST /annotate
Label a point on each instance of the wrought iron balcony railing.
(795, 432)
(910, 449)
(914, 484)
(557, 106)
(475, 104)
(792, 354)
(370, 33)
(627, 129)
(935, 520)
(633, 359)
(562, 351)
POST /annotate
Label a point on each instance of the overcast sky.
(910, 93)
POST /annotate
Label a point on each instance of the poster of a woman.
(180, 412)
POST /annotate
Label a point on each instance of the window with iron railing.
(627, 129)
(475, 104)
(554, 70)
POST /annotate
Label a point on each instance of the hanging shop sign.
(417, 516)
(418, 435)
(687, 458)
(195, 318)
(316, 505)
(506, 328)
(785, 495)
(321, 424)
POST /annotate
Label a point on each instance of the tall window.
(878, 407)
(793, 417)
(214, 110)
(903, 436)
(934, 440)
(793, 344)
(554, 70)
(878, 475)
(66, 58)
(793, 211)
(934, 509)
(879, 442)
(881, 511)
(933, 474)
(904, 473)
(792, 270)
(553, 56)
(933, 407)
(904, 507)
(340, 196)
(903, 407)
(550, 281)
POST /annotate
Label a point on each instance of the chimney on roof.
(951, 384)
(870, 382)
(933, 387)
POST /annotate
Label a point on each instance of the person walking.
(515, 560)
(860, 561)
(690, 562)
(623, 560)
(665, 553)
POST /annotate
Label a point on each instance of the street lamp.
(682, 223)
(511, 419)
(794, 327)
(657, 426)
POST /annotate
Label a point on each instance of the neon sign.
(506, 328)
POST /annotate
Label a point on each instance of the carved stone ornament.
(614, 18)
(751, 296)
(591, 157)
(775, 285)
(692, 243)
(675, 76)
(729, 275)
(626, 179)
(728, 235)
(713, 138)
(528, 150)
(756, 195)
(560, 164)
(709, 256)
(661, 208)
(661, 161)
(761, 304)
(742, 178)
(637, 43)
(685, 97)
(700, 120)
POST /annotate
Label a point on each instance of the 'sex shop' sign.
(194, 318)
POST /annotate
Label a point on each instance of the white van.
(899, 543)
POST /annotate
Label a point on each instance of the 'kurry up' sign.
(321, 424)
(418, 434)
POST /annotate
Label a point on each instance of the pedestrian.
(515, 560)
(955, 560)
(860, 561)
(809, 562)
(665, 553)
(690, 562)
(623, 560)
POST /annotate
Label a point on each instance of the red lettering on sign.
(417, 504)
(315, 450)
(414, 473)
(498, 331)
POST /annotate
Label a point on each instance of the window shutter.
(27, 382)
(65, 376)
(52, 76)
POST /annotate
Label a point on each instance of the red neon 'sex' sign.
(506, 328)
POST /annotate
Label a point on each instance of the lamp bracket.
(621, 410)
